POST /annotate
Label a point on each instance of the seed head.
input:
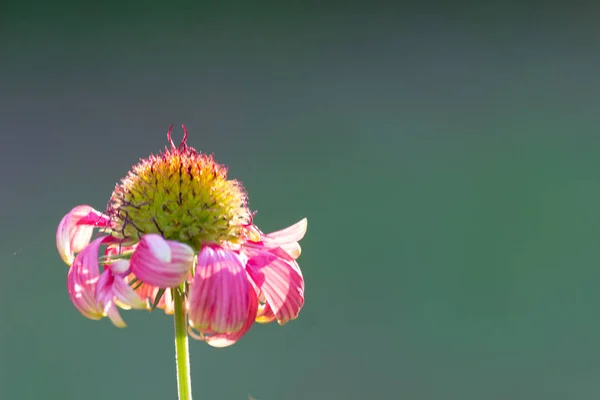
(182, 195)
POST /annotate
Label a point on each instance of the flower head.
(176, 223)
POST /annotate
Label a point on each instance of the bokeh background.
(446, 156)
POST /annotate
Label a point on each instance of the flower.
(176, 223)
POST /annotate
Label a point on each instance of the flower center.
(182, 195)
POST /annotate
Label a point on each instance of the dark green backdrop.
(446, 159)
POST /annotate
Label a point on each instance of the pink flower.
(176, 223)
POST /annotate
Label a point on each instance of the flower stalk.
(182, 354)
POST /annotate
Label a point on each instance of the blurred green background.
(447, 159)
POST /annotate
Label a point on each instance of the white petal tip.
(158, 246)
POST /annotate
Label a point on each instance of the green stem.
(182, 354)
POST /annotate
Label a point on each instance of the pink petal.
(227, 339)
(75, 230)
(105, 299)
(119, 267)
(148, 293)
(287, 251)
(290, 234)
(112, 290)
(162, 263)
(82, 278)
(112, 312)
(220, 292)
(166, 302)
(253, 233)
(117, 248)
(265, 314)
(95, 218)
(124, 294)
(280, 282)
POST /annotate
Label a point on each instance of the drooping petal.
(82, 279)
(112, 290)
(162, 263)
(125, 296)
(75, 230)
(253, 233)
(287, 251)
(148, 293)
(119, 267)
(220, 293)
(279, 281)
(265, 314)
(116, 249)
(227, 339)
(95, 218)
(112, 312)
(105, 299)
(166, 302)
(291, 234)
(283, 243)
